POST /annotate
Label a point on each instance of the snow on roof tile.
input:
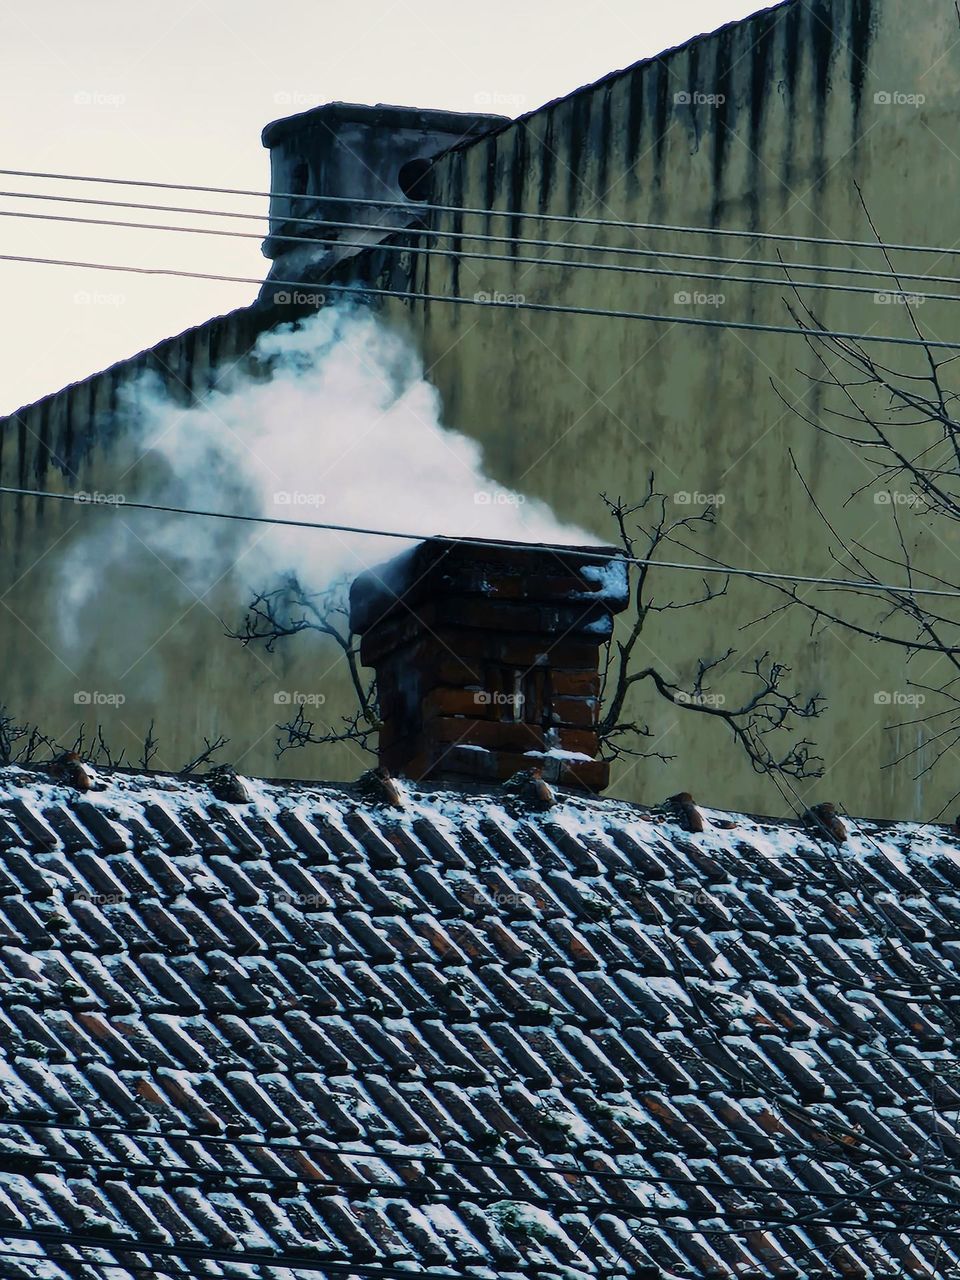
(551, 1002)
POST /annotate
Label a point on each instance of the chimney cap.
(382, 115)
(550, 573)
(486, 654)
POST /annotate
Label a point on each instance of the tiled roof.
(643, 1052)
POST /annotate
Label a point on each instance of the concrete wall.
(569, 406)
(141, 630)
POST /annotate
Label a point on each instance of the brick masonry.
(487, 653)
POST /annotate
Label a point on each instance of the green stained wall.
(567, 407)
(571, 406)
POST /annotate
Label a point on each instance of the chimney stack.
(487, 658)
(344, 149)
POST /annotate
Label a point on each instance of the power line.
(473, 255)
(458, 236)
(582, 553)
(483, 300)
(741, 233)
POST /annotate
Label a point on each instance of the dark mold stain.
(760, 81)
(214, 346)
(859, 41)
(490, 172)
(603, 140)
(22, 478)
(456, 198)
(761, 88)
(68, 441)
(518, 164)
(634, 119)
(661, 110)
(42, 450)
(823, 40)
(578, 134)
(724, 113)
(546, 167)
(693, 85)
(791, 51)
(823, 44)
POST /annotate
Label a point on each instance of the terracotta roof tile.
(585, 992)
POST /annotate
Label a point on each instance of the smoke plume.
(334, 421)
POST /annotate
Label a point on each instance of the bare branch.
(210, 749)
(643, 528)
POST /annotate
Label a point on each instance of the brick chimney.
(487, 658)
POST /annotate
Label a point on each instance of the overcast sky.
(180, 91)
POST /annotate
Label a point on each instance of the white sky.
(178, 91)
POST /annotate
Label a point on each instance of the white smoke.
(337, 424)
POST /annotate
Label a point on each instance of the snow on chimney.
(487, 658)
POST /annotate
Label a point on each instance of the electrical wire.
(483, 300)
(458, 236)
(473, 211)
(579, 553)
(473, 255)
(648, 271)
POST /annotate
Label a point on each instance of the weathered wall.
(144, 632)
(569, 406)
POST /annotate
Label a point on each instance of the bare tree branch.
(643, 528)
(289, 610)
(210, 749)
(907, 434)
